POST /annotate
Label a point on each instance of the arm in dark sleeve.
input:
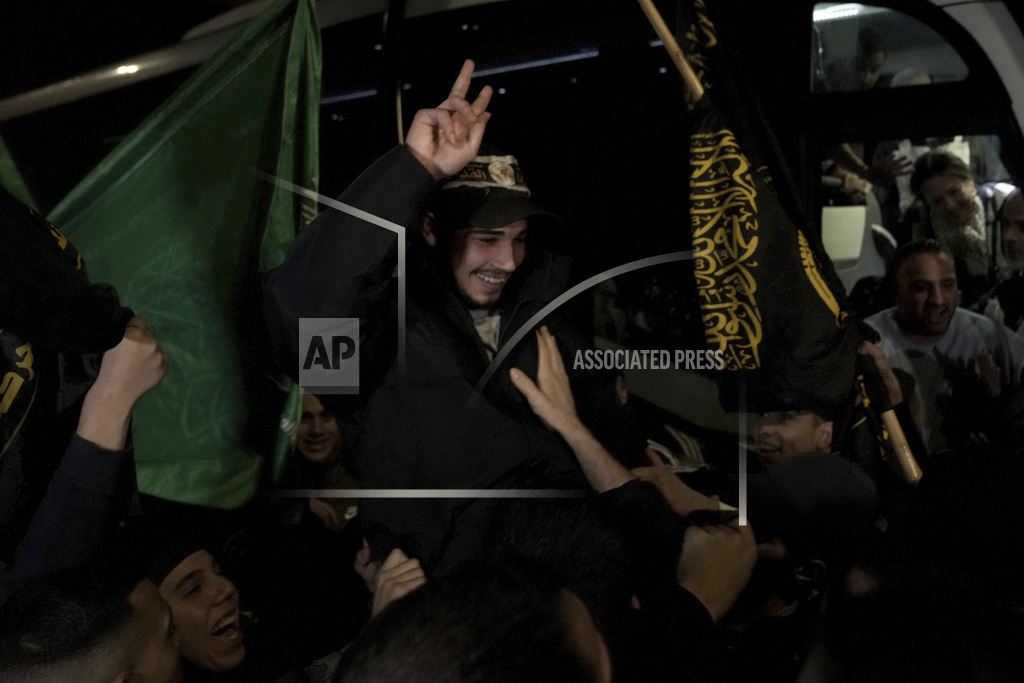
(86, 498)
(652, 531)
(341, 264)
(681, 641)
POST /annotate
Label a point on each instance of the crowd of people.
(594, 560)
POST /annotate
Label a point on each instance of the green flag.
(11, 179)
(180, 221)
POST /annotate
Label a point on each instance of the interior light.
(837, 12)
(128, 69)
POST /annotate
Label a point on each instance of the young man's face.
(318, 433)
(484, 260)
(205, 608)
(926, 295)
(783, 436)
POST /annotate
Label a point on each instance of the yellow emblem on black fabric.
(700, 37)
(811, 270)
(724, 212)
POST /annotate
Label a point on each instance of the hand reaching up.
(551, 400)
(550, 397)
(447, 138)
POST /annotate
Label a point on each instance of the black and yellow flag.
(769, 301)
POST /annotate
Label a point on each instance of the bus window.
(859, 47)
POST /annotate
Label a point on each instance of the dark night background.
(603, 139)
(602, 134)
(46, 40)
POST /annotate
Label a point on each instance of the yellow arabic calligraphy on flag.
(724, 212)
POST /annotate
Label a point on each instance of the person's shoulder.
(964, 318)
(974, 330)
(967, 315)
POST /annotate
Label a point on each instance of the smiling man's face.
(205, 608)
(926, 295)
(785, 435)
(318, 434)
(483, 261)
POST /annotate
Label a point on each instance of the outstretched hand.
(551, 397)
(447, 138)
(885, 371)
(551, 400)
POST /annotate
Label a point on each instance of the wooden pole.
(911, 470)
(694, 88)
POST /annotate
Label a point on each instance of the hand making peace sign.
(447, 138)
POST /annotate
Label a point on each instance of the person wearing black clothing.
(686, 576)
(480, 267)
(90, 491)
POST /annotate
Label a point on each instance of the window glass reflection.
(860, 47)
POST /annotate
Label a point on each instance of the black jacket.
(421, 424)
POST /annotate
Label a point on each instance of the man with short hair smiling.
(318, 435)
(782, 436)
(485, 259)
(205, 608)
(482, 261)
(959, 360)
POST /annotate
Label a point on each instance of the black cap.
(169, 555)
(489, 193)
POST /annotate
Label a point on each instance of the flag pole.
(908, 464)
(897, 440)
(694, 88)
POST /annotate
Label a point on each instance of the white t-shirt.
(935, 365)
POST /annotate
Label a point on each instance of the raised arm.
(91, 487)
(342, 265)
